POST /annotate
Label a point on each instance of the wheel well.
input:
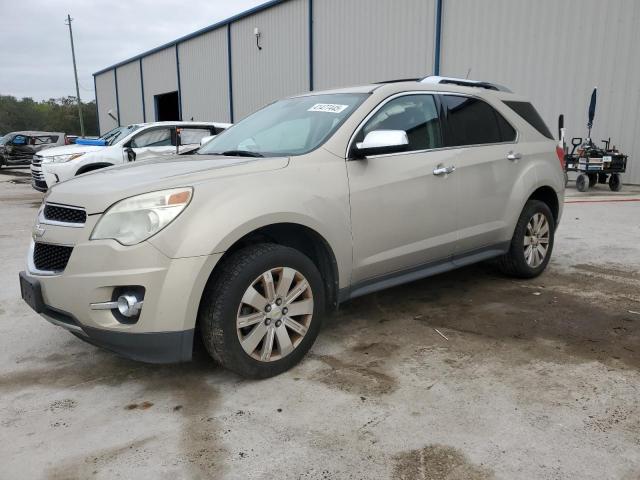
(92, 167)
(548, 196)
(304, 239)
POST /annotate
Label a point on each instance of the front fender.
(219, 214)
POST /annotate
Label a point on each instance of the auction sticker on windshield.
(328, 107)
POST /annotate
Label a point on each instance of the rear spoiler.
(463, 82)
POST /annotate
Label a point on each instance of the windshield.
(118, 133)
(3, 139)
(286, 128)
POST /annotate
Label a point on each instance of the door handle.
(441, 170)
(514, 156)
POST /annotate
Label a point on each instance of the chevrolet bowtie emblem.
(38, 231)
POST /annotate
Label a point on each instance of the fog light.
(129, 305)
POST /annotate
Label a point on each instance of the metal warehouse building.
(553, 51)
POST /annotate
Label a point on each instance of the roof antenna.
(468, 73)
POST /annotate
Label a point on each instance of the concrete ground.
(535, 379)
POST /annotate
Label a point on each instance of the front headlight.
(62, 158)
(135, 219)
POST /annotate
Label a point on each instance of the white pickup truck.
(120, 145)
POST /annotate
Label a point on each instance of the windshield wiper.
(240, 153)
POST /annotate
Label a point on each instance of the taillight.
(560, 153)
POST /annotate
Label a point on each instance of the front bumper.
(151, 347)
(173, 287)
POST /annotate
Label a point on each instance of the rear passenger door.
(482, 143)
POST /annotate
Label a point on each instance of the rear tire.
(582, 183)
(615, 184)
(236, 333)
(534, 234)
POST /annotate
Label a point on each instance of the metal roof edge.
(197, 33)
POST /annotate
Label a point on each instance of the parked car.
(17, 148)
(120, 145)
(309, 202)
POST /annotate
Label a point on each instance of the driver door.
(403, 214)
(150, 143)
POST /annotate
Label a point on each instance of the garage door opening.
(167, 107)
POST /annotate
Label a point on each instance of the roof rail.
(463, 82)
(397, 80)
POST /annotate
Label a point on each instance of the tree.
(53, 115)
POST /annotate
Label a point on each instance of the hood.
(68, 149)
(96, 191)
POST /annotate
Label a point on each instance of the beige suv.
(309, 202)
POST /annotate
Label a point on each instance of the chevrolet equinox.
(309, 202)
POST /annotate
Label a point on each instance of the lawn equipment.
(595, 164)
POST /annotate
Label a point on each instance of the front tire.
(532, 242)
(262, 310)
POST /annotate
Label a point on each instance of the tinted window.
(415, 114)
(507, 132)
(471, 121)
(531, 115)
(158, 137)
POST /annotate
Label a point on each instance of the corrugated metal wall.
(204, 78)
(129, 93)
(281, 68)
(552, 51)
(106, 98)
(160, 75)
(360, 41)
(555, 52)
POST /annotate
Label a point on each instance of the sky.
(35, 53)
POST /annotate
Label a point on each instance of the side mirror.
(130, 154)
(204, 140)
(380, 142)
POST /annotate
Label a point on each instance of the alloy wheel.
(275, 313)
(536, 240)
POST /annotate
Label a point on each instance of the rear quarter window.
(531, 116)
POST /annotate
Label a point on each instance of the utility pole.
(75, 73)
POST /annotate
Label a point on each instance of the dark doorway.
(167, 107)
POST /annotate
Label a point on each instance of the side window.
(158, 137)
(192, 136)
(44, 140)
(507, 132)
(415, 114)
(471, 121)
(19, 140)
(531, 115)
